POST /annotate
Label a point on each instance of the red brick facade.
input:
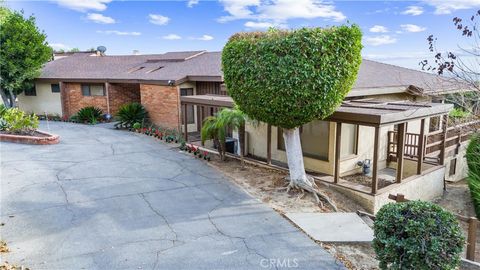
(162, 104)
(118, 94)
(121, 93)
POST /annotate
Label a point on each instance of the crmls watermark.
(279, 263)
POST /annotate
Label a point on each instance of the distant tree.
(23, 51)
(462, 65)
(290, 78)
(74, 50)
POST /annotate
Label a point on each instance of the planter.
(40, 137)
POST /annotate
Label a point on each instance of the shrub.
(88, 114)
(16, 121)
(417, 235)
(131, 113)
(458, 113)
(473, 161)
(137, 125)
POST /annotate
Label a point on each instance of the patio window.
(93, 90)
(32, 91)
(314, 137)
(349, 141)
(434, 124)
(190, 108)
(55, 88)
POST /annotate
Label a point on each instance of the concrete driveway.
(108, 199)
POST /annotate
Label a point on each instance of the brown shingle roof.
(179, 66)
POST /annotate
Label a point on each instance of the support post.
(376, 146)
(269, 144)
(400, 151)
(471, 238)
(63, 99)
(202, 117)
(421, 146)
(338, 145)
(107, 87)
(185, 122)
(444, 139)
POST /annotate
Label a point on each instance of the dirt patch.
(266, 185)
(365, 180)
(457, 200)
(3, 247)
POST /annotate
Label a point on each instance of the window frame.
(89, 85)
(281, 146)
(52, 86)
(32, 92)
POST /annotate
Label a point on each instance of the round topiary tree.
(417, 235)
(290, 78)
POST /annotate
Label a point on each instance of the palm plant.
(235, 119)
(213, 129)
(131, 113)
(88, 114)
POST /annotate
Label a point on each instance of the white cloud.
(448, 6)
(263, 25)
(279, 11)
(59, 46)
(99, 18)
(412, 28)
(413, 10)
(158, 19)
(172, 37)
(378, 29)
(119, 33)
(192, 3)
(204, 38)
(84, 5)
(380, 40)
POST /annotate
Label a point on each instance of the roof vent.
(101, 50)
(155, 69)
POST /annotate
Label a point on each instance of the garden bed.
(37, 137)
(366, 180)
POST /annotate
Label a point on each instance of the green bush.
(417, 235)
(88, 114)
(290, 78)
(458, 113)
(473, 161)
(131, 113)
(14, 120)
(137, 125)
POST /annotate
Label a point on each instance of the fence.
(433, 142)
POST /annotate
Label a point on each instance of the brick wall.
(162, 104)
(121, 93)
(73, 99)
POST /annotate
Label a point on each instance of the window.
(349, 140)
(55, 88)
(32, 91)
(190, 108)
(434, 124)
(314, 137)
(93, 90)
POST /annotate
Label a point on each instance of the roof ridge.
(410, 69)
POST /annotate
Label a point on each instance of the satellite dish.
(101, 49)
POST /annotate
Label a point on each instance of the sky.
(394, 32)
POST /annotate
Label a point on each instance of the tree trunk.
(13, 103)
(5, 99)
(293, 148)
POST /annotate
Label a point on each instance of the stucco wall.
(427, 186)
(44, 102)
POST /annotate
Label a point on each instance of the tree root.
(310, 186)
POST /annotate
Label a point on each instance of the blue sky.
(394, 31)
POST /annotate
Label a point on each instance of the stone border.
(26, 139)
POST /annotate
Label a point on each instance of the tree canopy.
(289, 78)
(23, 50)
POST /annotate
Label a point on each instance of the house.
(392, 121)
